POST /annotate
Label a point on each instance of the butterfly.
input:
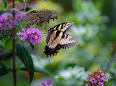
(57, 39)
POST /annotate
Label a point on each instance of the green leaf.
(40, 70)
(8, 29)
(32, 10)
(43, 71)
(3, 69)
(5, 55)
(18, 11)
(26, 58)
(5, 3)
(1, 8)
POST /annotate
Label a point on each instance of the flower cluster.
(42, 16)
(8, 23)
(97, 79)
(32, 36)
(46, 83)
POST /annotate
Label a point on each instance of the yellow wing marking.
(56, 41)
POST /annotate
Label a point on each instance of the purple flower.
(91, 79)
(96, 78)
(106, 80)
(8, 23)
(1, 24)
(30, 35)
(101, 83)
(86, 85)
(46, 83)
(4, 16)
(100, 71)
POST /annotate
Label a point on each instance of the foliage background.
(95, 32)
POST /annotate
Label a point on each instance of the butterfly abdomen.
(48, 51)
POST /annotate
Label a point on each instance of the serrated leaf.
(3, 69)
(5, 3)
(26, 58)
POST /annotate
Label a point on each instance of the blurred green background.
(95, 32)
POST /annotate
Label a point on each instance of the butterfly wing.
(67, 41)
(66, 26)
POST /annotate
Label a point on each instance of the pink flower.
(101, 83)
(86, 85)
(46, 83)
(32, 36)
(97, 78)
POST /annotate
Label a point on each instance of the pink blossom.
(32, 36)
(101, 83)
(97, 78)
(46, 83)
(86, 85)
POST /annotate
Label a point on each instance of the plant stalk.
(24, 10)
(14, 69)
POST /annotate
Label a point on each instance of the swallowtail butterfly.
(57, 38)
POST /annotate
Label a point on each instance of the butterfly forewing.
(66, 26)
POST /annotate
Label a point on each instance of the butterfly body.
(57, 38)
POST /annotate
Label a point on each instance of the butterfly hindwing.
(67, 41)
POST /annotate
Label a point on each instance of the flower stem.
(24, 10)
(14, 69)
